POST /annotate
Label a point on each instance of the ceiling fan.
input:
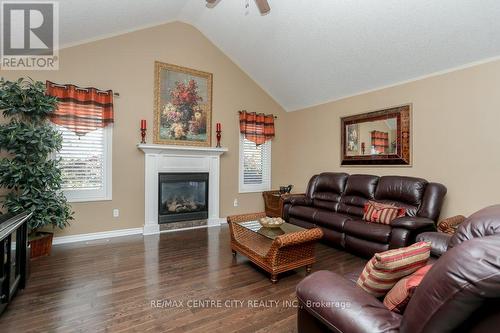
(262, 4)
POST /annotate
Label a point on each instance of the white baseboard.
(215, 222)
(96, 235)
(127, 232)
(151, 229)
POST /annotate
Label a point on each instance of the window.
(86, 164)
(255, 166)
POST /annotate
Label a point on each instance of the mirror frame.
(403, 145)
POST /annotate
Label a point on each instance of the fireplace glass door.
(182, 197)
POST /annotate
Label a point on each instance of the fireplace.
(182, 197)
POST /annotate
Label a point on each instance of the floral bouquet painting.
(183, 105)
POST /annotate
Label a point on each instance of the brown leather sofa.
(334, 202)
(460, 293)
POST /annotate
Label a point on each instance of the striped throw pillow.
(382, 213)
(385, 269)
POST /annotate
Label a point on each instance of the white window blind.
(255, 166)
(86, 164)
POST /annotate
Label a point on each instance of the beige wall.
(456, 136)
(455, 124)
(126, 65)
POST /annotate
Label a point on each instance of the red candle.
(143, 124)
(217, 127)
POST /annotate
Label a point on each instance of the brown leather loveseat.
(334, 202)
(460, 293)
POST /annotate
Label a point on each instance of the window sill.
(83, 200)
(260, 190)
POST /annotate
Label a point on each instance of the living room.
(246, 97)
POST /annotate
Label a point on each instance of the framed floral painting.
(183, 106)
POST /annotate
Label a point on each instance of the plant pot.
(41, 244)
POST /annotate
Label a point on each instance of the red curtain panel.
(257, 127)
(81, 110)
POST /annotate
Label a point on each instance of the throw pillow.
(382, 213)
(399, 296)
(385, 269)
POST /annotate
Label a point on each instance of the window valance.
(81, 110)
(257, 127)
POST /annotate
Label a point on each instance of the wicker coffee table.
(274, 250)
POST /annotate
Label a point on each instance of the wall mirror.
(377, 138)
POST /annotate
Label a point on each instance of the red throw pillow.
(382, 213)
(385, 269)
(399, 296)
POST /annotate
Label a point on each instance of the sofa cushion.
(359, 189)
(330, 182)
(361, 186)
(352, 205)
(385, 269)
(399, 296)
(330, 219)
(303, 212)
(328, 201)
(370, 231)
(398, 189)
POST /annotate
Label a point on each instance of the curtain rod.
(275, 117)
(117, 94)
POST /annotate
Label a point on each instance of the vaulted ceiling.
(305, 53)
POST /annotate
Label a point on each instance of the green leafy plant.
(29, 170)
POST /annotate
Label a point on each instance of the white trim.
(180, 150)
(96, 235)
(214, 222)
(165, 158)
(399, 83)
(266, 170)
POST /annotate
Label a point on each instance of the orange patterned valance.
(81, 110)
(257, 127)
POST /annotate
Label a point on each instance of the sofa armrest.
(343, 306)
(296, 199)
(413, 223)
(439, 241)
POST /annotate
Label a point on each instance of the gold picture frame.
(182, 106)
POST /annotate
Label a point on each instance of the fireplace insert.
(182, 197)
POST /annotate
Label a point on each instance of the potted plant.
(29, 170)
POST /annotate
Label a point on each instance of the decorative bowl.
(271, 222)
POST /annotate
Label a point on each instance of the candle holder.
(218, 136)
(143, 135)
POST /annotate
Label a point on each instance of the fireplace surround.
(159, 159)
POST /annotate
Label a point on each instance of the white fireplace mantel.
(164, 158)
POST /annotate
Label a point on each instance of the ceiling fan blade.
(263, 6)
(212, 3)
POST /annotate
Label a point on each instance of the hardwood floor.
(151, 284)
